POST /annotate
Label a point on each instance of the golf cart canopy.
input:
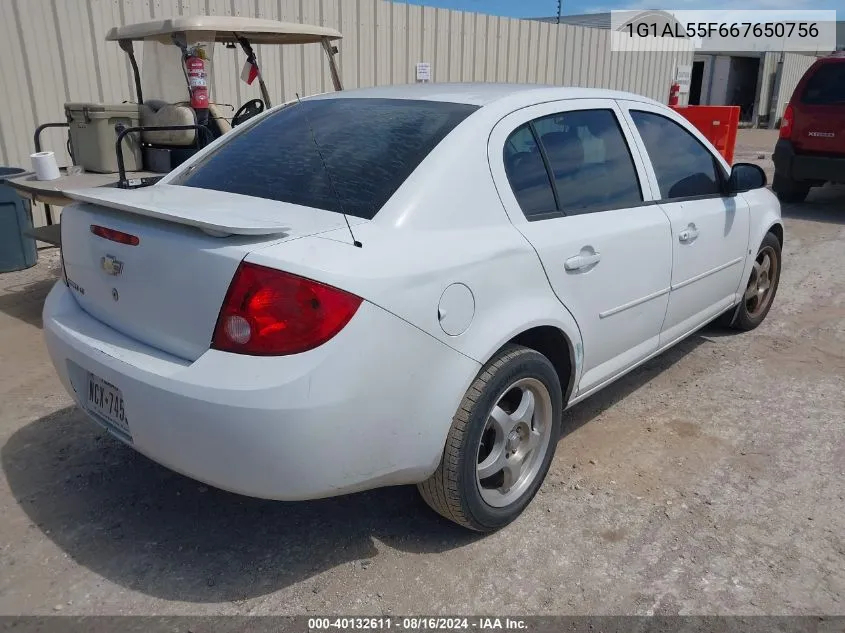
(226, 30)
(188, 30)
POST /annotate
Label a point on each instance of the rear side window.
(826, 86)
(570, 163)
(683, 166)
(590, 162)
(370, 146)
(527, 173)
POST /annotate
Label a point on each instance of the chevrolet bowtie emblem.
(111, 265)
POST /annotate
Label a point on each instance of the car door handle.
(688, 235)
(581, 261)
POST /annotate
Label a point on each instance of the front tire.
(501, 443)
(762, 286)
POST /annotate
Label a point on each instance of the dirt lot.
(712, 480)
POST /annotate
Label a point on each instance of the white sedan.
(403, 285)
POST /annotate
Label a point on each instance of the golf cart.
(134, 144)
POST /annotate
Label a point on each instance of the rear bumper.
(371, 407)
(798, 167)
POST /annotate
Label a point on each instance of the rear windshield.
(370, 147)
(826, 86)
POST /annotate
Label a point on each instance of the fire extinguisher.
(198, 86)
(674, 92)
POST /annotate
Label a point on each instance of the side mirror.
(745, 177)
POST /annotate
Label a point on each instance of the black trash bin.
(17, 251)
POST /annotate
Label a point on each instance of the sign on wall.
(683, 76)
(423, 71)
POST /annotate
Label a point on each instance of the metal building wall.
(768, 71)
(794, 67)
(779, 89)
(53, 51)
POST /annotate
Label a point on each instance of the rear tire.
(789, 190)
(501, 443)
(761, 287)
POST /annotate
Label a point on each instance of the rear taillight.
(268, 312)
(787, 121)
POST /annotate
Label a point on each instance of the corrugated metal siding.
(65, 57)
(794, 67)
(768, 70)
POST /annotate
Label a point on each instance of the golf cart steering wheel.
(247, 111)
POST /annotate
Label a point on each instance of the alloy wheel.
(514, 442)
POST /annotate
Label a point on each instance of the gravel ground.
(709, 481)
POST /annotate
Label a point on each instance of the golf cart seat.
(165, 149)
(159, 113)
(216, 114)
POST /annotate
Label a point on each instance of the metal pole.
(48, 212)
(331, 51)
(126, 45)
(559, 7)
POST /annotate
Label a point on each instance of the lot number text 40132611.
(417, 623)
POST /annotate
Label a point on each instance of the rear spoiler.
(217, 213)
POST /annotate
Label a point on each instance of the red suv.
(811, 148)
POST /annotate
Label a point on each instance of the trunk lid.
(819, 107)
(166, 291)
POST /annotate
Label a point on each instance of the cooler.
(92, 135)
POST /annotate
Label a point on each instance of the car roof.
(482, 94)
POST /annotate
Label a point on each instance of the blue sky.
(535, 8)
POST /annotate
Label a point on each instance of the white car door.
(572, 186)
(709, 228)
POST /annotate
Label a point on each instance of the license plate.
(106, 401)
